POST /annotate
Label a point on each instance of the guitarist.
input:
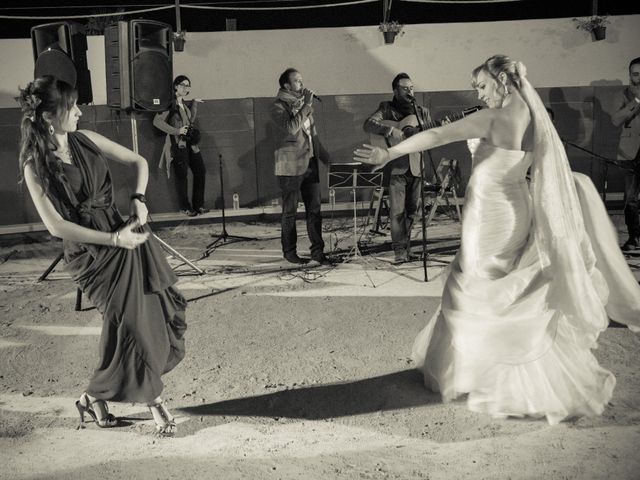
(404, 182)
(628, 117)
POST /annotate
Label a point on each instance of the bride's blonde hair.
(497, 64)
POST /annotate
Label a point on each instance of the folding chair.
(379, 201)
(445, 185)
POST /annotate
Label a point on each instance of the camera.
(192, 136)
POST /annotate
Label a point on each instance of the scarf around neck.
(294, 101)
(405, 108)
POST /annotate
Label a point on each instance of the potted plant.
(390, 30)
(596, 25)
(101, 20)
(179, 40)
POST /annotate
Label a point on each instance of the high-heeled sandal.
(84, 405)
(165, 423)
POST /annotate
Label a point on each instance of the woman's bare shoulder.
(90, 134)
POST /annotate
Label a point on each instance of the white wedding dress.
(512, 332)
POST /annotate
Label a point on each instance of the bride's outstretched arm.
(473, 126)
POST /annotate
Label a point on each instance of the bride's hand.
(372, 155)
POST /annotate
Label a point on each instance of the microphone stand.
(606, 161)
(425, 253)
(224, 237)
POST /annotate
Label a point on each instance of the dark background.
(197, 20)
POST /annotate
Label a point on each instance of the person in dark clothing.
(181, 151)
(628, 117)
(404, 184)
(297, 151)
(118, 265)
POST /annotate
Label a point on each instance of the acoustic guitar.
(412, 121)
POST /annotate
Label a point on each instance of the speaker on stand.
(60, 50)
(139, 66)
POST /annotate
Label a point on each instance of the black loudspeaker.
(139, 64)
(60, 50)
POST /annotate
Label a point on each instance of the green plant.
(589, 24)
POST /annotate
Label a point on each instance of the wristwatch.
(140, 197)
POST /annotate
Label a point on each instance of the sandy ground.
(290, 373)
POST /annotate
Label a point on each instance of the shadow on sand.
(398, 390)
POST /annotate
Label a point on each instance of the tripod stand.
(49, 269)
(355, 253)
(349, 176)
(224, 237)
(425, 253)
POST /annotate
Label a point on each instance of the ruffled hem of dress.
(565, 382)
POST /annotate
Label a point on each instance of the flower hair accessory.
(28, 104)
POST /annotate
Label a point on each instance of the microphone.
(314, 95)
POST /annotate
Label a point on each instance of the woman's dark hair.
(44, 95)
(178, 80)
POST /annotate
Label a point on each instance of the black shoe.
(202, 210)
(631, 244)
(321, 259)
(399, 257)
(294, 258)
(410, 257)
(189, 212)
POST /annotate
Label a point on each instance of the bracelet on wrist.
(115, 238)
(139, 196)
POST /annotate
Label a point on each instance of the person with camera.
(181, 150)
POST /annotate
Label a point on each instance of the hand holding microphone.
(309, 95)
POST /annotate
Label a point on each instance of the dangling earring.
(506, 89)
(51, 129)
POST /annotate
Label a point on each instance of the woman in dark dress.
(118, 265)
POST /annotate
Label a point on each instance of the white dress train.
(500, 334)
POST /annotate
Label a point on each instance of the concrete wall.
(355, 60)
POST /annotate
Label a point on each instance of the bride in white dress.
(539, 271)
